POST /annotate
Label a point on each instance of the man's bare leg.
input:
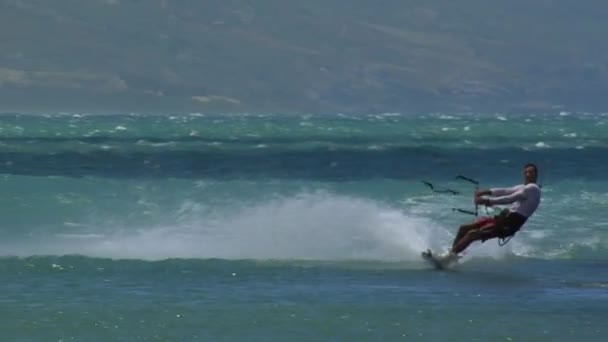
(463, 230)
(488, 232)
(462, 244)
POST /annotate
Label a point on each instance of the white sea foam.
(310, 226)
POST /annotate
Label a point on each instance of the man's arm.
(513, 197)
(503, 191)
(496, 191)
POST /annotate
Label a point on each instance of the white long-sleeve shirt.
(525, 198)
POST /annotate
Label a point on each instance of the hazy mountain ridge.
(276, 55)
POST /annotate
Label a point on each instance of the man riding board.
(524, 200)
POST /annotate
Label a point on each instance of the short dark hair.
(532, 165)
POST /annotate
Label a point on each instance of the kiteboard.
(438, 262)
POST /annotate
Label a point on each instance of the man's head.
(530, 173)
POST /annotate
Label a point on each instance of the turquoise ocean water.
(296, 228)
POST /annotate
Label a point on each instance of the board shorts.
(503, 225)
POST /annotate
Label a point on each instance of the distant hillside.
(296, 56)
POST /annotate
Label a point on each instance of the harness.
(504, 241)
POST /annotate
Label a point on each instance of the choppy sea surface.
(296, 228)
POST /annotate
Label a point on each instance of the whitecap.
(375, 147)
(80, 236)
(143, 142)
(447, 117)
(541, 144)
